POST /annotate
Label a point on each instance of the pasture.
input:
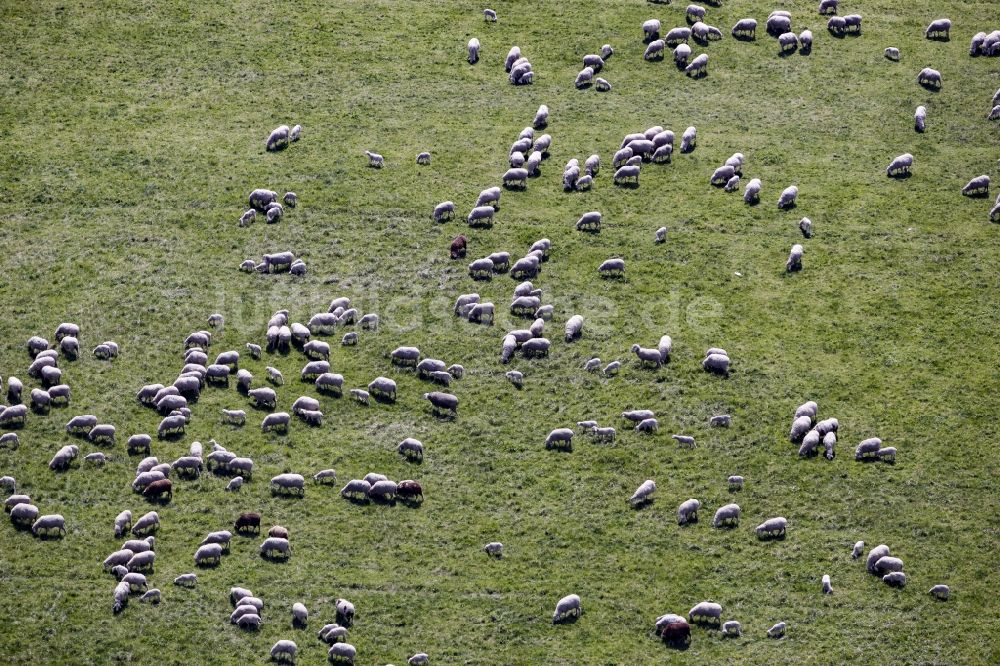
(133, 133)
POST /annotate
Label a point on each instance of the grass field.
(133, 133)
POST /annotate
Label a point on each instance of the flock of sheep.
(174, 400)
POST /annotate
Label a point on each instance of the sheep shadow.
(276, 559)
(929, 87)
(358, 501)
(384, 399)
(644, 504)
(787, 54)
(627, 185)
(208, 565)
(805, 50)
(160, 501)
(651, 37)
(570, 619)
(383, 501)
(767, 539)
(412, 502)
(979, 195)
(698, 75)
(900, 176)
(745, 38)
(837, 34)
(510, 187)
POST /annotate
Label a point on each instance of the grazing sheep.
(209, 554)
(868, 449)
(186, 580)
(892, 53)
(276, 548)
(284, 651)
(720, 421)
(929, 78)
(745, 29)
(837, 26)
(234, 484)
(589, 222)
(567, 607)
(643, 494)
(673, 629)
(689, 139)
(516, 378)
(732, 184)
(788, 42)
(613, 267)
(887, 454)
(687, 512)
(473, 48)
(654, 51)
(722, 175)
(44, 525)
(611, 369)
(514, 178)
(828, 6)
(650, 30)
(411, 449)
(560, 438)
(574, 328)
(788, 197)
(900, 166)
(444, 211)
(383, 388)
(424, 159)
(940, 592)
(716, 364)
(263, 397)
(442, 403)
(751, 194)
(694, 13)
(794, 262)
(677, 36)
(482, 313)
(14, 500)
(706, 612)
(278, 138)
(977, 187)
(772, 528)
(806, 39)
(63, 457)
(593, 61)
(827, 587)
(777, 631)
(288, 484)
(727, 516)
(939, 29)
(852, 24)
(647, 426)
(375, 160)
(121, 595)
(895, 579)
(697, 67)
(994, 113)
(778, 24)
(482, 216)
(342, 653)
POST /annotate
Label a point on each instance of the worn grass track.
(133, 133)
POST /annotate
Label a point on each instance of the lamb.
(794, 262)
(43, 526)
(375, 160)
(706, 612)
(772, 528)
(606, 435)
(888, 454)
(607, 51)
(473, 48)
(977, 187)
(745, 29)
(727, 516)
(689, 139)
(186, 580)
(567, 607)
(939, 29)
(777, 631)
(611, 369)
(650, 30)
(643, 494)
(686, 440)
(278, 138)
(516, 378)
(732, 629)
(788, 197)
(560, 438)
(697, 67)
(929, 78)
(654, 51)
(751, 194)
(892, 53)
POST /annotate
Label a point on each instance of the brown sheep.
(157, 489)
(248, 522)
(410, 490)
(458, 247)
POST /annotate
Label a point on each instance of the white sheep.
(745, 29)
(794, 262)
(978, 186)
(939, 29)
(489, 15)
(788, 197)
(727, 516)
(941, 592)
(771, 528)
(689, 139)
(654, 50)
(585, 77)
(567, 607)
(542, 115)
(650, 29)
(697, 67)
(929, 78)
(473, 48)
(375, 160)
(777, 631)
(892, 53)
(827, 587)
(643, 494)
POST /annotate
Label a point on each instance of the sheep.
(995, 211)
(745, 29)
(887, 454)
(473, 49)
(611, 369)
(673, 629)
(590, 222)
(706, 612)
(44, 525)
(646, 356)
(868, 449)
(375, 160)
(722, 175)
(14, 500)
(837, 26)
(976, 45)
(517, 177)
(284, 651)
(121, 595)
(647, 426)
(482, 313)
(643, 494)
(929, 78)
(560, 438)
(805, 226)
(829, 442)
(342, 653)
(806, 39)
(689, 139)
(727, 516)
(788, 197)
(892, 53)
(607, 51)
(585, 182)
(852, 24)
(694, 13)
(288, 484)
(794, 262)
(383, 388)
(828, 6)
(895, 579)
(97, 458)
(23, 515)
(777, 631)
(482, 216)
(778, 24)
(8, 483)
(208, 554)
(274, 213)
(606, 435)
(751, 194)
(654, 51)
(276, 548)
(716, 364)
(278, 138)
(566, 608)
(40, 401)
(63, 457)
(772, 528)
(732, 629)
(827, 587)
(123, 523)
(650, 30)
(720, 421)
(442, 403)
(676, 36)
(516, 378)
(939, 29)
(574, 328)
(977, 187)
(595, 62)
(687, 512)
(994, 113)
(186, 580)
(222, 538)
(697, 67)
(263, 397)
(788, 42)
(940, 592)
(70, 347)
